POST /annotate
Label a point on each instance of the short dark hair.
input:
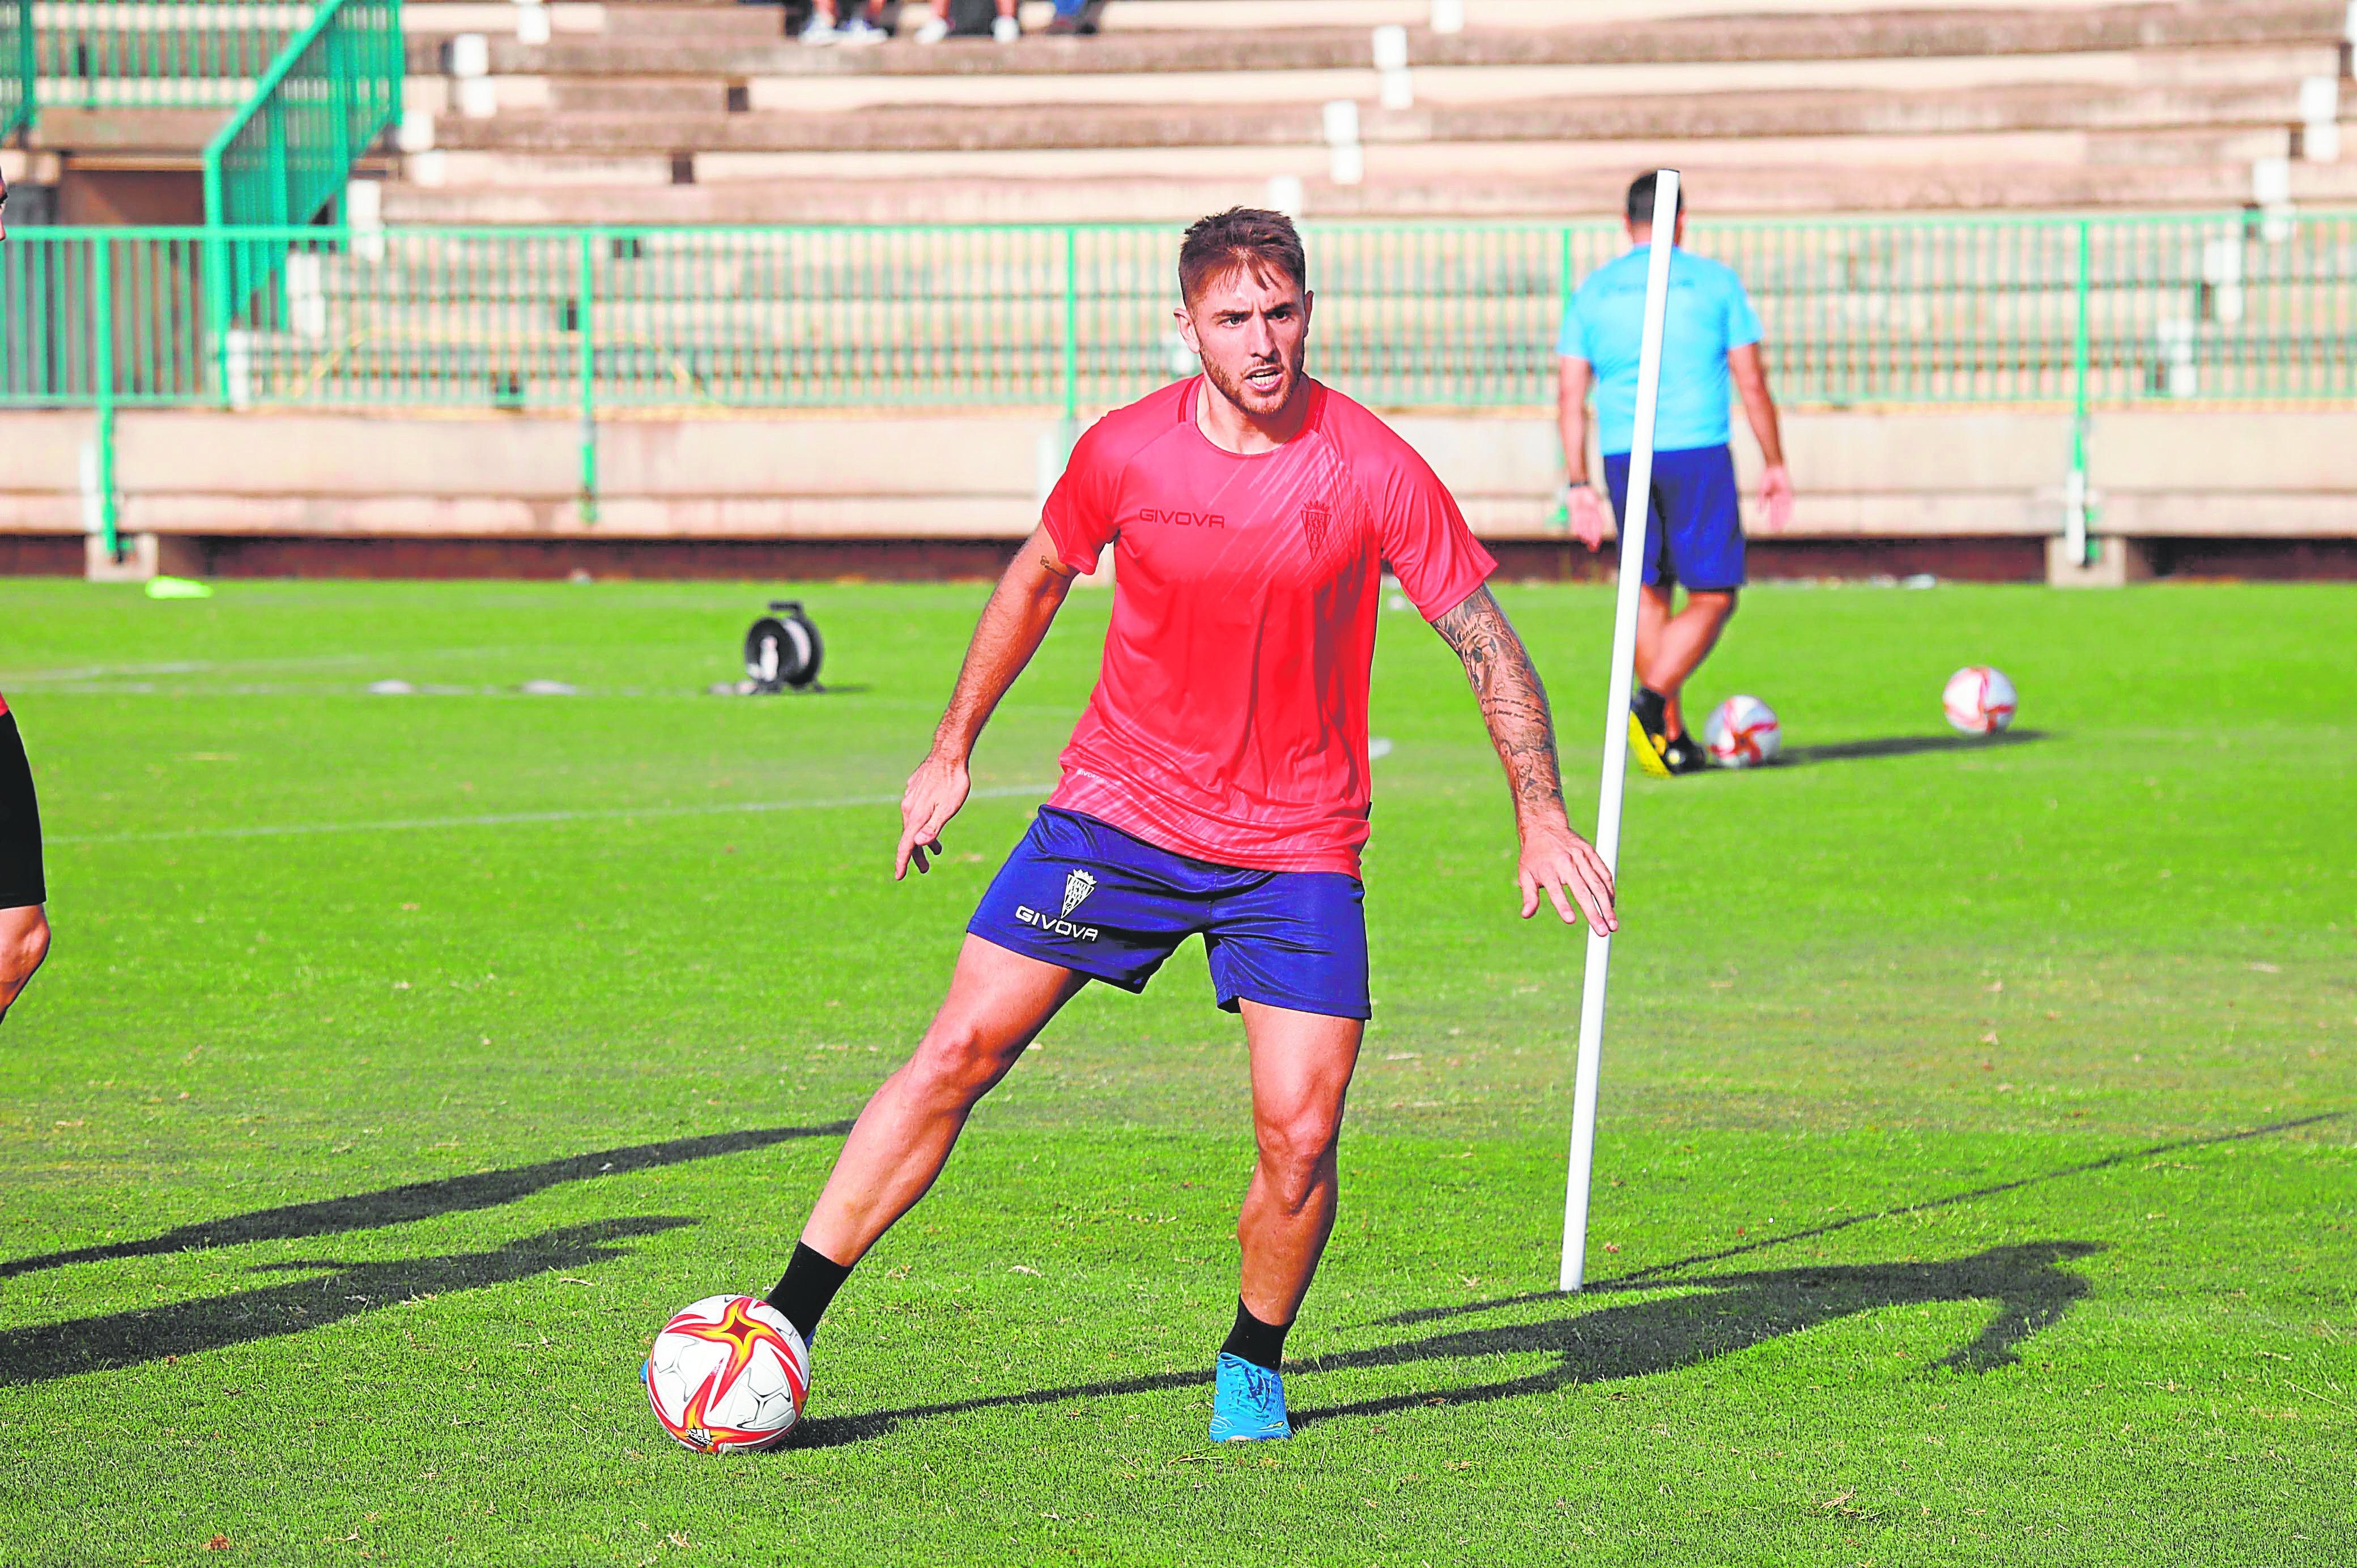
(1641, 200)
(1241, 236)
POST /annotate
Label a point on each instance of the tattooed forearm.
(1514, 702)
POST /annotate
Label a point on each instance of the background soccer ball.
(1978, 700)
(727, 1373)
(1741, 732)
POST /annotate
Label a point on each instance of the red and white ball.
(1978, 700)
(727, 1374)
(1741, 732)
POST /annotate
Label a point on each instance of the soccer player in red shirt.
(1218, 782)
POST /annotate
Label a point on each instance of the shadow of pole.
(1708, 1318)
(422, 1200)
(185, 1329)
(1651, 1272)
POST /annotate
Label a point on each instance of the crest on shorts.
(1076, 887)
(1315, 521)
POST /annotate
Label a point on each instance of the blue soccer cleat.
(1247, 1403)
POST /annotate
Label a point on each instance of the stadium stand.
(597, 388)
(687, 111)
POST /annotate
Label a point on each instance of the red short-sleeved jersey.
(1229, 723)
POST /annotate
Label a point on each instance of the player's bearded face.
(1251, 328)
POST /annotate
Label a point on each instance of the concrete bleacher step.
(1764, 190)
(863, 91)
(1537, 160)
(664, 123)
(171, 135)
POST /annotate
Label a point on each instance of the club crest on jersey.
(1183, 519)
(1077, 887)
(1315, 521)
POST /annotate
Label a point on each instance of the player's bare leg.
(998, 1001)
(1301, 1066)
(1671, 646)
(24, 943)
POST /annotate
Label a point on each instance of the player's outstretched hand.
(1561, 862)
(1776, 496)
(936, 790)
(1586, 510)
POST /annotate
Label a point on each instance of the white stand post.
(1615, 727)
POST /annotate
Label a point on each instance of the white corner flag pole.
(1615, 727)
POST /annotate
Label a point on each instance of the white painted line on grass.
(201, 665)
(507, 819)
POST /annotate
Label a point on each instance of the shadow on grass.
(1653, 1272)
(184, 1329)
(1710, 1316)
(422, 1200)
(1903, 745)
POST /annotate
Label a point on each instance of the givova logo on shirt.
(1077, 887)
(1183, 519)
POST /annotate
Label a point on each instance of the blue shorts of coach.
(1695, 535)
(1083, 893)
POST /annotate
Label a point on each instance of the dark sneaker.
(1649, 723)
(1682, 756)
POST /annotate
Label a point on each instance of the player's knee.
(22, 949)
(1296, 1155)
(953, 1063)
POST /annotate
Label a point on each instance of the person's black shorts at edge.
(20, 823)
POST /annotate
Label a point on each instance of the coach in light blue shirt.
(1711, 337)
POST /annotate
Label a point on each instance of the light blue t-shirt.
(1708, 314)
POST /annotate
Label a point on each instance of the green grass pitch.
(1976, 1177)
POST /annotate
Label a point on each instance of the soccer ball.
(1978, 700)
(1741, 732)
(727, 1374)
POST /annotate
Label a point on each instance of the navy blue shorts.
(1083, 893)
(1695, 535)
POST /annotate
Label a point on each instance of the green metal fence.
(284, 158)
(16, 77)
(156, 54)
(2072, 312)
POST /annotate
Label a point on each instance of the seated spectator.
(822, 29)
(1075, 17)
(937, 27)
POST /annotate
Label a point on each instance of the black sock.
(811, 1280)
(1262, 1344)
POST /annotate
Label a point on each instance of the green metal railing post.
(587, 321)
(1072, 357)
(19, 108)
(1566, 284)
(102, 278)
(2076, 543)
